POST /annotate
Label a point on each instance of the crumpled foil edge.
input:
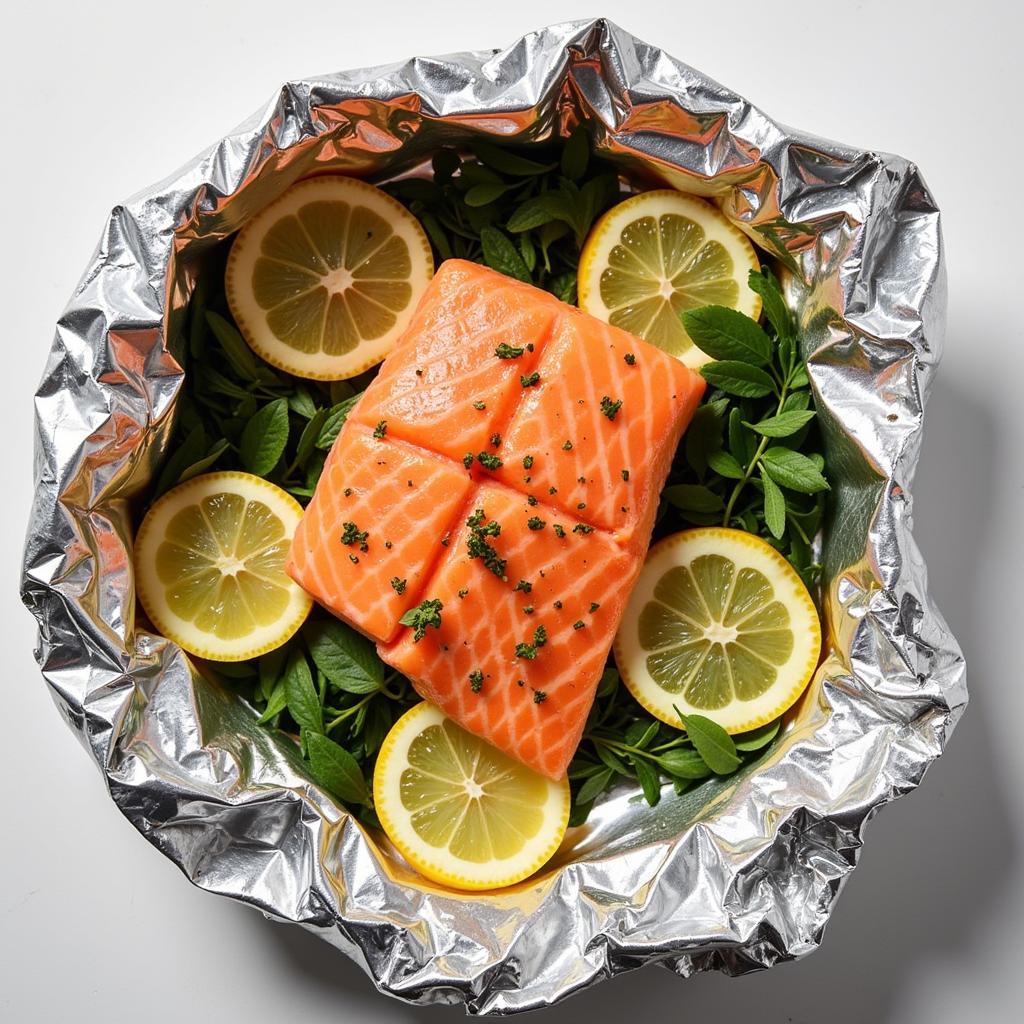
(737, 879)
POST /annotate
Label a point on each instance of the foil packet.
(737, 875)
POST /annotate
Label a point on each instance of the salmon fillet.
(507, 462)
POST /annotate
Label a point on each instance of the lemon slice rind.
(151, 590)
(438, 863)
(247, 250)
(746, 551)
(608, 231)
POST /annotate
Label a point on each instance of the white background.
(102, 99)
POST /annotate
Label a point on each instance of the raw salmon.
(507, 462)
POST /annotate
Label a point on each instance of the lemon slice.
(720, 625)
(658, 254)
(459, 810)
(209, 566)
(324, 280)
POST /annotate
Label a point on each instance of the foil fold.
(736, 876)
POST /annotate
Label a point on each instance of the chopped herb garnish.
(504, 351)
(552, 490)
(426, 613)
(558, 605)
(559, 530)
(582, 528)
(527, 609)
(347, 492)
(529, 380)
(527, 462)
(351, 534)
(610, 408)
(581, 479)
(388, 544)
(381, 429)
(539, 696)
(479, 406)
(397, 585)
(525, 586)
(477, 545)
(467, 459)
(520, 682)
(496, 440)
(354, 559)
(581, 505)
(476, 680)
(567, 446)
(630, 359)
(536, 523)
(527, 651)
(463, 593)
(531, 500)
(540, 636)
(593, 607)
(489, 461)
(625, 475)
(529, 346)
(578, 624)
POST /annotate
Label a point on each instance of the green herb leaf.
(507, 162)
(726, 334)
(682, 763)
(725, 465)
(736, 378)
(775, 309)
(233, 345)
(703, 436)
(576, 154)
(264, 438)
(758, 739)
(481, 195)
(300, 403)
(303, 702)
(336, 769)
(501, 255)
(784, 424)
(650, 783)
(793, 470)
(594, 787)
(774, 505)
(346, 657)
(276, 703)
(335, 421)
(694, 497)
(712, 742)
(611, 759)
(309, 436)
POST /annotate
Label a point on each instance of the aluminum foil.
(738, 875)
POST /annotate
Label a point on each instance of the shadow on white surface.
(934, 865)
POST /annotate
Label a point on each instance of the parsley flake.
(593, 607)
(610, 408)
(347, 492)
(489, 461)
(530, 380)
(625, 475)
(531, 500)
(536, 523)
(582, 528)
(525, 586)
(351, 534)
(539, 696)
(527, 462)
(381, 429)
(578, 624)
(397, 585)
(463, 593)
(504, 351)
(567, 446)
(559, 530)
(527, 609)
(476, 680)
(426, 613)
(630, 359)
(496, 440)
(558, 605)
(479, 406)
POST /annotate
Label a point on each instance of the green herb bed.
(751, 459)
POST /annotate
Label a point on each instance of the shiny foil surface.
(737, 875)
